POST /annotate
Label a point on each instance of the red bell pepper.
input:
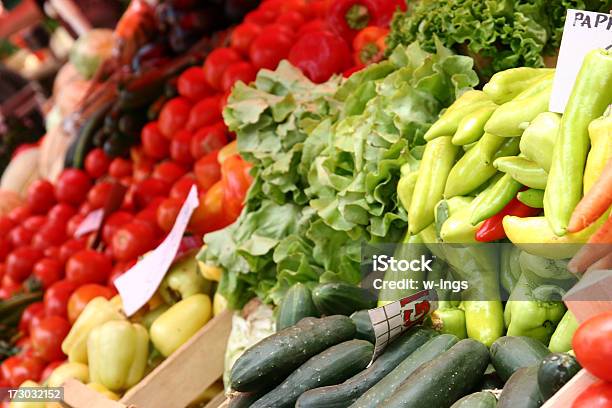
(348, 17)
(492, 228)
(320, 54)
(369, 45)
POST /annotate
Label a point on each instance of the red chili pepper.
(369, 45)
(492, 228)
(347, 17)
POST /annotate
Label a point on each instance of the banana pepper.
(600, 133)
(561, 340)
(117, 352)
(98, 311)
(506, 85)
(538, 140)
(182, 281)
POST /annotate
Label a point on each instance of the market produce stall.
(330, 203)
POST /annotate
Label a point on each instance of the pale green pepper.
(183, 280)
(523, 171)
(561, 340)
(506, 85)
(538, 140)
(471, 126)
(600, 133)
(117, 353)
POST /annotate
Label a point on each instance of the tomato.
(120, 168)
(167, 213)
(269, 48)
(113, 223)
(61, 213)
(48, 271)
(41, 196)
(312, 26)
(173, 116)
(181, 188)
(5, 248)
(99, 193)
(149, 214)
(49, 369)
(56, 298)
(180, 147)
(73, 224)
(154, 144)
(34, 222)
(9, 288)
(210, 214)
(52, 252)
(72, 186)
(207, 171)
(319, 55)
(97, 163)
(192, 84)
(261, 16)
(79, 299)
(216, 63)
(17, 369)
(147, 190)
(47, 337)
(51, 234)
(597, 395)
(290, 18)
(208, 139)
(592, 345)
(133, 240)
(119, 269)
(236, 183)
(17, 215)
(31, 311)
(243, 35)
(6, 224)
(88, 266)
(168, 171)
(20, 262)
(238, 71)
(20, 236)
(204, 113)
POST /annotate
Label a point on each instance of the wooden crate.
(176, 382)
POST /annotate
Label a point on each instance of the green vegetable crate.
(172, 383)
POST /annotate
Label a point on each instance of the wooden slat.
(217, 401)
(77, 395)
(185, 374)
(592, 295)
(570, 391)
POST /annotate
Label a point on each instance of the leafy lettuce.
(326, 162)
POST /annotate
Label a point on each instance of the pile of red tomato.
(187, 145)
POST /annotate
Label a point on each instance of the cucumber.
(392, 381)
(296, 305)
(343, 395)
(271, 360)
(521, 390)
(510, 353)
(554, 372)
(332, 366)
(363, 324)
(482, 399)
(342, 298)
(490, 381)
(443, 380)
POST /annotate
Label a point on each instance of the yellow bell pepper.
(600, 133)
(30, 404)
(117, 353)
(532, 234)
(77, 371)
(103, 390)
(182, 281)
(99, 310)
(176, 325)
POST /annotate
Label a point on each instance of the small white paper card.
(138, 284)
(583, 31)
(91, 223)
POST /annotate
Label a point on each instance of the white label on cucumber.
(138, 284)
(391, 320)
(583, 31)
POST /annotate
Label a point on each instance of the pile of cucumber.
(325, 363)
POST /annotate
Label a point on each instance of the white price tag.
(391, 320)
(138, 284)
(583, 31)
(91, 223)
